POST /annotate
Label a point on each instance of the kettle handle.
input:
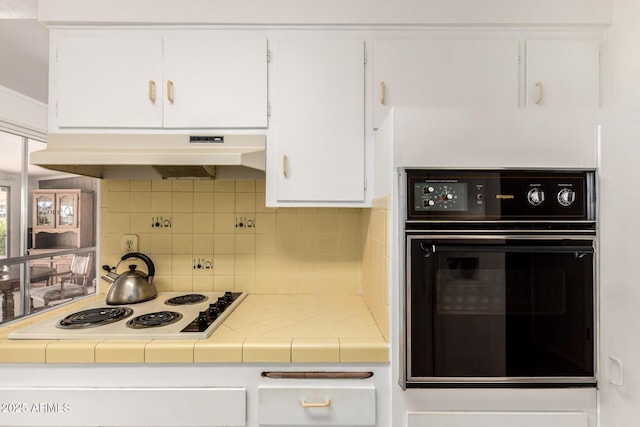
(151, 269)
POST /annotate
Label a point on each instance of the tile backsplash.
(375, 262)
(214, 235)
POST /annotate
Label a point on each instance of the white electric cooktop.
(171, 315)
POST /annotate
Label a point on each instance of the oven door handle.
(427, 249)
(580, 251)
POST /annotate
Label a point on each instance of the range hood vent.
(133, 156)
(177, 171)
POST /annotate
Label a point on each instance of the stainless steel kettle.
(132, 286)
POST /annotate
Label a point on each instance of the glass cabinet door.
(44, 211)
(67, 210)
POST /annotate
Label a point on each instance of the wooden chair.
(73, 283)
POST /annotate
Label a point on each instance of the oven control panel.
(489, 195)
(440, 196)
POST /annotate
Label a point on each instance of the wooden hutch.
(62, 219)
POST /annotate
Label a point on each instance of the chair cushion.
(52, 293)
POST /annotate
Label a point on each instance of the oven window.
(501, 308)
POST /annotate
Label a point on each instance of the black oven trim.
(408, 381)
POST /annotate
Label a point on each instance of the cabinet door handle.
(170, 91)
(324, 404)
(619, 381)
(539, 96)
(284, 165)
(382, 93)
(152, 91)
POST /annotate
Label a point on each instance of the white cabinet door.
(562, 73)
(215, 82)
(126, 406)
(443, 73)
(108, 81)
(619, 384)
(149, 81)
(318, 116)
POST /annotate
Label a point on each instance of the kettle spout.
(109, 277)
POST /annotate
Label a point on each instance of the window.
(36, 261)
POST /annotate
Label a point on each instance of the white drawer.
(496, 419)
(317, 406)
(119, 407)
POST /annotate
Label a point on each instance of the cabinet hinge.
(56, 109)
(56, 56)
(365, 54)
(268, 109)
(268, 56)
(365, 183)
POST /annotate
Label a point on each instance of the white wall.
(619, 179)
(623, 57)
(24, 47)
(328, 11)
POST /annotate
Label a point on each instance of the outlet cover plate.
(129, 243)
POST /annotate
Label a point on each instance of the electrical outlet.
(129, 243)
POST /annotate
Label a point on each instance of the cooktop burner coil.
(94, 317)
(186, 299)
(152, 320)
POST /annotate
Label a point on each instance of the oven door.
(502, 311)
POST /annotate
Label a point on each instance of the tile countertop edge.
(220, 350)
(215, 349)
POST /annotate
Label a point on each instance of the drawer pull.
(322, 375)
(324, 404)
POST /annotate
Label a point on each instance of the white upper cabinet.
(215, 82)
(150, 81)
(317, 150)
(562, 73)
(443, 73)
(107, 81)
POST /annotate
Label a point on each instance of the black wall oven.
(500, 286)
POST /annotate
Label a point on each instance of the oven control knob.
(566, 196)
(212, 311)
(535, 196)
(427, 189)
(203, 318)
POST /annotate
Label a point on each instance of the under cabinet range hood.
(146, 156)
